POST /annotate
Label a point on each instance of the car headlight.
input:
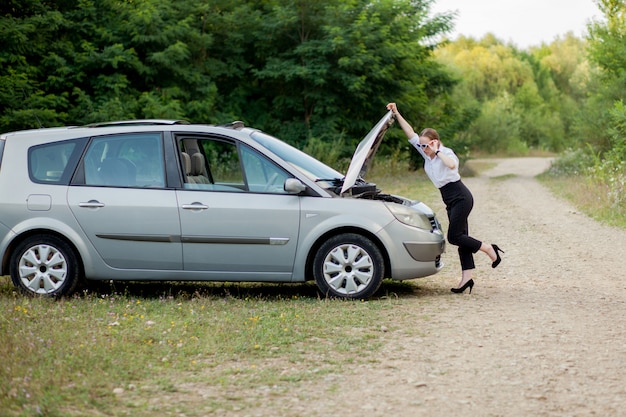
(410, 216)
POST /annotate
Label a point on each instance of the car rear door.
(119, 199)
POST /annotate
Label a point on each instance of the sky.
(521, 22)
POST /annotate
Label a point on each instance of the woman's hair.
(430, 133)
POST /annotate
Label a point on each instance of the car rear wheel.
(45, 265)
(348, 266)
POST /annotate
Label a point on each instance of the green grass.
(393, 177)
(140, 348)
(112, 348)
(588, 196)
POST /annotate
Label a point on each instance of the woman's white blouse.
(436, 170)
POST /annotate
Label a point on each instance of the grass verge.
(590, 197)
(123, 349)
(185, 348)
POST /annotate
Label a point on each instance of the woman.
(442, 167)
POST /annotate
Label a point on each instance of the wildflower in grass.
(21, 309)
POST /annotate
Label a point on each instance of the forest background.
(318, 74)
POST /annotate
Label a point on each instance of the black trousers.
(459, 203)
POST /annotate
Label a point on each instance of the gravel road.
(544, 334)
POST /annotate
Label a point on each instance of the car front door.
(237, 222)
(120, 201)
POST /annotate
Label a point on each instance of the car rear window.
(54, 163)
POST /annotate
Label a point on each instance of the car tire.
(45, 265)
(348, 266)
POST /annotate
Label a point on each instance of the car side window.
(133, 160)
(211, 164)
(54, 163)
(219, 165)
(262, 174)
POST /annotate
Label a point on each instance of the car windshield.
(309, 166)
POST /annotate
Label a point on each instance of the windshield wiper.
(334, 181)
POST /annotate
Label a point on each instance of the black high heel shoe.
(469, 284)
(498, 259)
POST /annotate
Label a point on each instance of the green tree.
(298, 69)
(608, 51)
(525, 99)
(329, 67)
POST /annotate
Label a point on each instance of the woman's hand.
(406, 127)
(433, 145)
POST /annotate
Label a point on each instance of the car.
(167, 200)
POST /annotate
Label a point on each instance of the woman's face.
(430, 143)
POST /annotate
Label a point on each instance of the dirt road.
(544, 334)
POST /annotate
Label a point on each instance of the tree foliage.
(607, 49)
(295, 68)
(316, 74)
(525, 99)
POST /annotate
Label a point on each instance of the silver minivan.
(168, 200)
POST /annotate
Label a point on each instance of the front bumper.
(425, 251)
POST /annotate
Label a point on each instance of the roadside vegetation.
(316, 74)
(594, 186)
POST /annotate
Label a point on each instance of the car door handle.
(195, 206)
(91, 204)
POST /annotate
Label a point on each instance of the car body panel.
(224, 234)
(149, 238)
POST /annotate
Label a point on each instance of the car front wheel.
(348, 266)
(45, 265)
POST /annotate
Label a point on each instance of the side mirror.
(294, 186)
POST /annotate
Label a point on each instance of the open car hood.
(362, 158)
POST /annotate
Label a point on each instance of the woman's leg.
(466, 275)
(458, 233)
(459, 203)
(489, 250)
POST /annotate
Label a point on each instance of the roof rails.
(237, 125)
(140, 122)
